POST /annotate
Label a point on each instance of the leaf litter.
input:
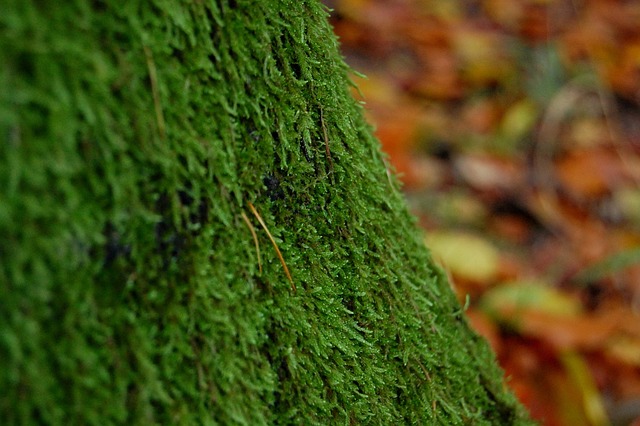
(514, 127)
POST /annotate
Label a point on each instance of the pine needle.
(255, 239)
(284, 265)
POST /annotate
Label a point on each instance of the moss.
(135, 134)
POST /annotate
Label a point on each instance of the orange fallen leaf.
(481, 117)
(590, 173)
(484, 326)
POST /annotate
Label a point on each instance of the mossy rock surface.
(137, 137)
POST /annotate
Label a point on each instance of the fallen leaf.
(482, 60)
(517, 297)
(507, 13)
(535, 310)
(490, 173)
(590, 401)
(481, 116)
(625, 349)
(627, 200)
(610, 265)
(465, 255)
(590, 173)
(487, 328)
(588, 132)
(458, 207)
(518, 121)
(439, 79)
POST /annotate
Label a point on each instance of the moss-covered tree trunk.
(197, 227)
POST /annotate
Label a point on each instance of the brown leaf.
(590, 173)
(491, 173)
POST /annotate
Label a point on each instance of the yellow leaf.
(518, 121)
(592, 403)
(625, 349)
(465, 255)
(515, 297)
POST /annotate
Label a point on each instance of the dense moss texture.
(135, 137)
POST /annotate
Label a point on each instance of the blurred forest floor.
(515, 125)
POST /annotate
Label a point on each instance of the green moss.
(134, 135)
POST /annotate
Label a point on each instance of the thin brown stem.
(273, 241)
(255, 239)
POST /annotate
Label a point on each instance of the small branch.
(255, 239)
(284, 265)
